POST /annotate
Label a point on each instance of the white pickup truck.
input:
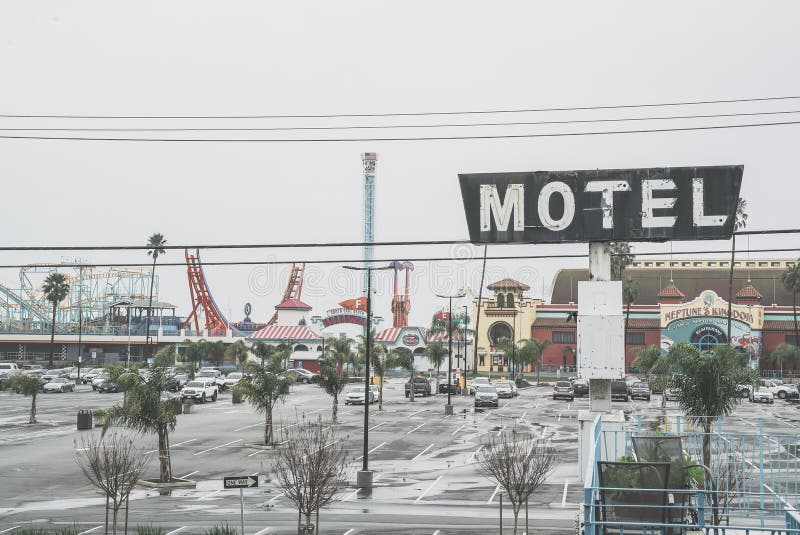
(781, 390)
(200, 390)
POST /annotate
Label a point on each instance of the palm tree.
(216, 352)
(27, 385)
(708, 389)
(539, 346)
(239, 353)
(436, 352)
(791, 281)
(55, 289)
(621, 258)
(143, 412)
(404, 358)
(785, 354)
(333, 378)
(630, 291)
(739, 223)
(155, 247)
(194, 355)
(264, 350)
(527, 352)
(263, 388)
(506, 345)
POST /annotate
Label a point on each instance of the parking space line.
(459, 429)
(427, 490)
(417, 412)
(261, 532)
(90, 530)
(382, 444)
(9, 529)
(217, 447)
(275, 497)
(174, 531)
(474, 454)
(210, 494)
(564, 496)
(173, 445)
(500, 432)
(348, 532)
(436, 532)
(522, 417)
(420, 425)
(190, 474)
(496, 490)
(377, 426)
(538, 405)
(248, 427)
(418, 455)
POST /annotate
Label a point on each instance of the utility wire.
(394, 126)
(379, 139)
(361, 260)
(7, 248)
(402, 114)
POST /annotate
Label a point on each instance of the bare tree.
(519, 464)
(311, 468)
(112, 464)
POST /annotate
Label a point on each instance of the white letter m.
(492, 207)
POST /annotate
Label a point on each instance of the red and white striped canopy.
(285, 332)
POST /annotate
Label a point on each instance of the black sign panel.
(242, 482)
(656, 204)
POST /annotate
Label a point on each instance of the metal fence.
(753, 486)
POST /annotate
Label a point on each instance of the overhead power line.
(393, 126)
(409, 138)
(379, 261)
(399, 243)
(403, 114)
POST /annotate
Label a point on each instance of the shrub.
(150, 530)
(221, 529)
(99, 413)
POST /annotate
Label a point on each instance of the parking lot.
(426, 477)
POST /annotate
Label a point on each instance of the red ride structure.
(401, 303)
(294, 288)
(202, 300)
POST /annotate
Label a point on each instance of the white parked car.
(213, 376)
(356, 396)
(200, 390)
(486, 395)
(49, 375)
(232, 378)
(59, 384)
(762, 395)
(781, 390)
(90, 375)
(477, 382)
(99, 379)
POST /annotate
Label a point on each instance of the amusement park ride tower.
(369, 160)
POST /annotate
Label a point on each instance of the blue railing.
(757, 477)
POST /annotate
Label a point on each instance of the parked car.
(355, 396)
(49, 375)
(107, 387)
(200, 390)
(762, 395)
(99, 380)
(640, 390)
(454, 388)
(563, 389)
(422, 387)
(631, 380)
(376, 393)
(58, 384)
(781, 390)
(232, 378)
(300, 375)
(619, 391)
(671, 394)
(504, 389)
(89, 375)
(213, 376)
(580, 387)
(486, 395)
(476, 382)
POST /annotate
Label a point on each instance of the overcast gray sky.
(238, 58)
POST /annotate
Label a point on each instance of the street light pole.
(364, 476)
(448, 409)
(464, 330)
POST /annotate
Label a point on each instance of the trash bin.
(84, 419)
(237, 396)
(177, 405)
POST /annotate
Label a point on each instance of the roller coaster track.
(202, 300)
(294, 288)
(36, 311)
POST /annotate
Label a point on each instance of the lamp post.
(364, 477)
(464, 324)
(448, 409)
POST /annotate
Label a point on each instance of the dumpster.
(85, 419)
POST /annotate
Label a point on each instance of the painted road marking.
(427, 490)
(522, 417)
(377, 426)
(459, 429)
(569, 405)
(218, 447)
(248, 426)
(420, 425)
(564, 496)
(261, 532)
(538, 405)
(436, 532)
(174, 531)
(173, 445)
(90, 530)
(496, 490)
(415, 413)
(350, 495)
(500, 432)
(474, 454)
(9, 529)
(190, 474)
(421, 453)
(382, 444)
(210, 494)
(348, 532)
(275, 497)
